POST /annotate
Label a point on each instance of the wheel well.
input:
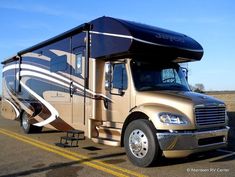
(133, 116)
(20, 117)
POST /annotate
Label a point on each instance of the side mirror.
(115, 78)
(185, 72)
(108, 76)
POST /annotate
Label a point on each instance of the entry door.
(118, 109)
(77, 87)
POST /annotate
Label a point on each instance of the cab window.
(119, 76)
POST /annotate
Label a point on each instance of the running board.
(109, 133)
(106, 141)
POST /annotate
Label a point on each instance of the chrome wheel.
(26, 126)
(25, 122)
(138, 143)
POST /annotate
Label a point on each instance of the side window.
(170, 76)
(58, 63)
(78, 69)
(119, 76)
(10, 77)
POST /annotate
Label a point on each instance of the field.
(227, 96)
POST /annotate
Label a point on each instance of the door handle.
(71, 90)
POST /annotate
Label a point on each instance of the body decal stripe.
(43, 76)
(9, 67)
(31, 67)
(53, 77)
(14, 107)
(54, 113)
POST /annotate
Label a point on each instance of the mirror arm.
(120, 92)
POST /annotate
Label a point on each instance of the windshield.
(158, 77)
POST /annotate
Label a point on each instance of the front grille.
(210, 115)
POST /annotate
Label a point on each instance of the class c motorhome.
(121, 83)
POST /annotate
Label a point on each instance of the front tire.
(26, 126)
(141, 143)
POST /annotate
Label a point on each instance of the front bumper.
(181, 144)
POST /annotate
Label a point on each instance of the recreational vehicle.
(122, 84)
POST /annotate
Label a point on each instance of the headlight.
(170, 118)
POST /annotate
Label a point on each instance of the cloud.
(11, 48)
(42, 9)
(210, 20)
(36, 26)
(199, 20)
(31, 8)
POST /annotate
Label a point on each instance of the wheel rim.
(25, 122)
(138, 143)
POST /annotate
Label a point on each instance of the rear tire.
(141, 144)
(27, 127)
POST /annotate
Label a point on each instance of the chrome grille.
(210, 115)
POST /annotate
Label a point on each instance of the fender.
(152, 110)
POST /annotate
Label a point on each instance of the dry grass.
(227, 97)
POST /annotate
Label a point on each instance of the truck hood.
(177, 102)
(173, 97)
(198, 98)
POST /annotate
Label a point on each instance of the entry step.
(106, 141)
(109, 133)
(71, 139)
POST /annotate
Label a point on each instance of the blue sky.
(211, 22)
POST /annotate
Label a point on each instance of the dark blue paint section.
(36, 62)
(78, 42)
(74, 45)
(109, 25)
(170, 45)
(39, 86)
(160, 36)
(108, 46)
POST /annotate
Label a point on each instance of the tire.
(27, 127)
(141, 144)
